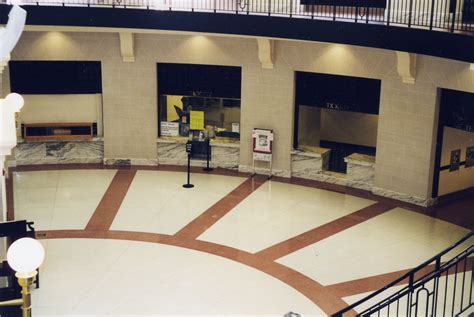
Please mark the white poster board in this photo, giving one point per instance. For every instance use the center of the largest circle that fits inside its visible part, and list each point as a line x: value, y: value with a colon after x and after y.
x: 262, y: 141
x: 262, y: 146
x: 169, y: 128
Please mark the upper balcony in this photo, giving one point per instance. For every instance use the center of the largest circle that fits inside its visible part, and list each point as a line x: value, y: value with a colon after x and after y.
x: 443, y: 28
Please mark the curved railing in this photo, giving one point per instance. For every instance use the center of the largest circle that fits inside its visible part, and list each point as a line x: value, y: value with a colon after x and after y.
x: 437, y: 287
x: 438, y: 15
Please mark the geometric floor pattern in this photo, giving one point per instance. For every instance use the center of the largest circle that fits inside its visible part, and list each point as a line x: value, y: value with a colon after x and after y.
x: 133, y: 242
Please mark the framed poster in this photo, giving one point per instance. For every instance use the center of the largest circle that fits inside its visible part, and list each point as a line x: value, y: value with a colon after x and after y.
x: 262, y: 141
x: 196, y: 120
x: 455, y: 160
x: 469, y: 156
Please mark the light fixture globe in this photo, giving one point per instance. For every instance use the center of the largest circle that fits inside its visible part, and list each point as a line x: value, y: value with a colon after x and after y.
x: 15, y: 101
x: 25, y: 255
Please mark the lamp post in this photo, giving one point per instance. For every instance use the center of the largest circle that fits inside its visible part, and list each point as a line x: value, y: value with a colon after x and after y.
x: 8, y: 107
x: 24, y: 256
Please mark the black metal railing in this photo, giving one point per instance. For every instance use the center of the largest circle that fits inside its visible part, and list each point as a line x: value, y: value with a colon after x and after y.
x: 441, y: 286
x: 440, y: 15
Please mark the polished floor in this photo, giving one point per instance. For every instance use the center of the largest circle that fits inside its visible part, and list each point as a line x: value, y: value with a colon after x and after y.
x: 134, y: 242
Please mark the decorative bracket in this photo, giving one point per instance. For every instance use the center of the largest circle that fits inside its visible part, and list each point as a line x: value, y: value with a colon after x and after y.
x: 127, y: 48
x: 406, y: 67
x: 265, y: 52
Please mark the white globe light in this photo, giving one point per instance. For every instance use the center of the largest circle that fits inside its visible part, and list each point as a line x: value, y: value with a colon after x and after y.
x: 25, y: 255
x: 15, y: 100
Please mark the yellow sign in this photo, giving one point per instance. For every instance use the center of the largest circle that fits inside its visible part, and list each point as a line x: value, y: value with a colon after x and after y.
x: 197, y: 120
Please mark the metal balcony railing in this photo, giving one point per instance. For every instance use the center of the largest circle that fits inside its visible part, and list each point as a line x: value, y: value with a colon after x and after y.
x: 439, y: 15
x: 441, y: 286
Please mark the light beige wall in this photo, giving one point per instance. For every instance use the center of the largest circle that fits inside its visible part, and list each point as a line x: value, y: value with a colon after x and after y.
x: 407, y: 120
x: 309, y: 125
x: 349, y: 127
x: 454, y: 139
x: 61, y: 108
x: 129, y: 89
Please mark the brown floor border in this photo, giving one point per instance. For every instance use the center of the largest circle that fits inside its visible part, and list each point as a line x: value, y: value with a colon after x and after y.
x: 373, y: 283
x: 10, y: 197
x: 212, y: 215
x: 326, y: 300
x: 110, y: 203
x: 317, y: 234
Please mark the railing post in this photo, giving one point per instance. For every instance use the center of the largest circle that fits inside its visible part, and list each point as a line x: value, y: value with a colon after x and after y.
x: 410, y: 13
x: 269, y: 7
x: 388, y: 12
x: 291, y: 8
x: 454, y: 15
x: 432, y: 14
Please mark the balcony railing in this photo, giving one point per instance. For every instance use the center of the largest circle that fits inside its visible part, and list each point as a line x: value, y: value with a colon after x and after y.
x: 439, y: 15
x: 441, y: 286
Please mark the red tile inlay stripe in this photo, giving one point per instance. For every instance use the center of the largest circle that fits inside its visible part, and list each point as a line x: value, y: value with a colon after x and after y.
x: 199, y: 225
x: 326, y: 300
x: 376, y: 282
x: 109, y: 205
x: 317, y: 234
x: 10, y: 197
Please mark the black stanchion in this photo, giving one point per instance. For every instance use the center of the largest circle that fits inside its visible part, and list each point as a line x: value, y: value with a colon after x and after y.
x: 208, y: 154
x: 189, y: 148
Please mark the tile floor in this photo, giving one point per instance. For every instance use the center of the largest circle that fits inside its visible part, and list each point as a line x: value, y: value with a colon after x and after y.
x: 208, y: 250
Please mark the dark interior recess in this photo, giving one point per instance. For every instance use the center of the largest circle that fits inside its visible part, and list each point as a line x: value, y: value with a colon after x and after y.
x: 341, y: 150
x: 468, y: 11
x: 338, y: 92
x: 199, y: 80
x: 460, y: 109
x: 45, y: 131
x: 55, y: 77
x: 349, y: 3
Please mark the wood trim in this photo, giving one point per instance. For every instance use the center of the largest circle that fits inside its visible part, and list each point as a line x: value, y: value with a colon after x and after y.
x: 59, y: 137
x: 87, y: 137
x: 58, y: 124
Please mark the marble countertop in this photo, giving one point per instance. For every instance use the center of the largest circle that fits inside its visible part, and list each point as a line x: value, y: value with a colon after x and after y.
x: 360, y: 159
x: 220, y: 142
x: 311, y: 151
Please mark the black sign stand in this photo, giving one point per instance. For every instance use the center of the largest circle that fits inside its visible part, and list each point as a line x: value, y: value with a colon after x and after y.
x: 207, y: 168
x: 189, y: 148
